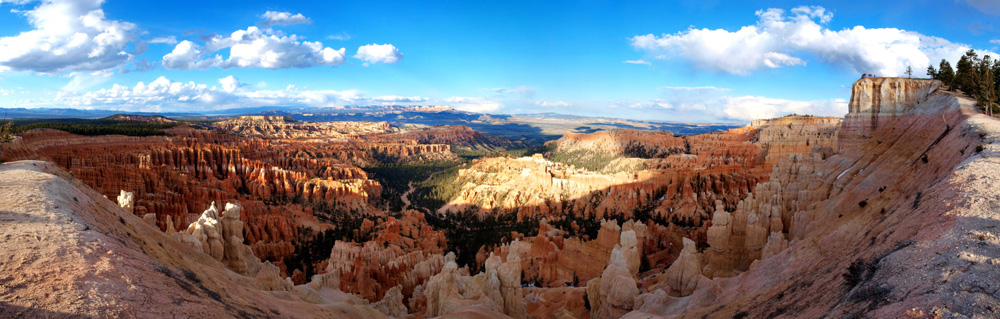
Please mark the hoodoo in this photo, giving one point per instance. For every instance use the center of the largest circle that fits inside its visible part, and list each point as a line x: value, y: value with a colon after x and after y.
x: 884, y: 226
x: 887, y: 213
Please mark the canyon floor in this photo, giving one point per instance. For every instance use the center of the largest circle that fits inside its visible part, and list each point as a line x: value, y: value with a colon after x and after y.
x: 890, y: 212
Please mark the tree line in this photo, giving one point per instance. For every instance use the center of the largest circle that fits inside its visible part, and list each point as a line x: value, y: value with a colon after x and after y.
x: 975, y: 76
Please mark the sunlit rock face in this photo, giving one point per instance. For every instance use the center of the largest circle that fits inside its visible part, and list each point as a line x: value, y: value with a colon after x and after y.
x: 853, y: 219
x: 791, y: 217
x: 681, y: 177
x: 124, y: 267
x: 875, y: 102
x: 286, y: 127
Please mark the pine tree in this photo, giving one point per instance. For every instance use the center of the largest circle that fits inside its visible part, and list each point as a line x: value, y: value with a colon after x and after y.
x: 932, y: 73
x: 946, y: 74
x: 6, y: 134
x: 965, y: 72
x: 996, y: 80
x: 909, y: 72
x: 984, y: 85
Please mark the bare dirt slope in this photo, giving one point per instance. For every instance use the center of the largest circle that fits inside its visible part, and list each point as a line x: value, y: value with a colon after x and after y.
x: 65, y: 251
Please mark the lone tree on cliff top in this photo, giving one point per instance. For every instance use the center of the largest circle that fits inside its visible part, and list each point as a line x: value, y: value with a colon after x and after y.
x: 909, y: 72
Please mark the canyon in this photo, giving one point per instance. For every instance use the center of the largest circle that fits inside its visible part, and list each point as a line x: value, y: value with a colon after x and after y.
x: 886, y: 213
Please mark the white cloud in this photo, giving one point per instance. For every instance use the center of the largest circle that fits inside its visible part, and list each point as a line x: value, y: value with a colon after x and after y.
x: 343, y: 36
x: 378, y: 53
x: 552, y: 104
x: 167, y: 40
x: 186, y: 56
x: 165, y: 94
x: 272, y: 18
x: 749, y: 108
x: 713, y: 104
x: 636, y: 62
x: 141, y: 65
x: 995, y: 41
x: 399, y: 99
x: 230, y: 84
x: 776, y: 40
x: 713, y: 108
x: 254, y: 48
x: 986, y: 6
x: 68, y: 36
x: 473, y: 104
x: 81, y: 81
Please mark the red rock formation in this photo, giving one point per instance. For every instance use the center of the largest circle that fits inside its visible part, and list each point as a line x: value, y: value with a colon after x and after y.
x: 884, y: 201
x: 403, y: 252
x: 459, y: 136
x: 632, y: 143
x: 613, y: 294
x: 284, y: 187
x: 132, y: 118
x: 286, y: 127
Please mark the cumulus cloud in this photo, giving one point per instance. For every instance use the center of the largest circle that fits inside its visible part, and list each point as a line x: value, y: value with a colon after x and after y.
x: 68, y: 36
x: 186, y: 55
x: 273, y: 18
x: 378, y: 53
x: 253, y: 48
x: 230, y: 84
x: 473, y: 104
x: 644, y: 62
x: 163, y: 94
x: 781, y: 40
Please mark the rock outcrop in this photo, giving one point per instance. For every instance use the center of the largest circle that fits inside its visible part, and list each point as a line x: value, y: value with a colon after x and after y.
x: 126, y: 200
x: 876, y: 101
x: 287, y: 128
x: 459, y: 136
x: 613, y: 294
x: 104, y: 262
x: 392, y: 304
x: 497, y: 289
x: 855, y: 219
x: 684, y: 274
x: 221, y: 236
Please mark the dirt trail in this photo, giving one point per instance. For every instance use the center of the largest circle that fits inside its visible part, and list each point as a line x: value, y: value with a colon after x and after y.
x: 404, y: 197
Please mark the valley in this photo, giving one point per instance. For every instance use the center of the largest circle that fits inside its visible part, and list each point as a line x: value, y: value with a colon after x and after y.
x: 797, y: 216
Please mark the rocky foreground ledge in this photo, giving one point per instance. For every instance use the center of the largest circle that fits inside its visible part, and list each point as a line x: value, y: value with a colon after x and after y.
x: 68, y: 251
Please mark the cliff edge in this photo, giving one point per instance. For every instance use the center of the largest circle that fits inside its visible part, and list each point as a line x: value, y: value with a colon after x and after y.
x: 899, y: 222
x: 67, y: 251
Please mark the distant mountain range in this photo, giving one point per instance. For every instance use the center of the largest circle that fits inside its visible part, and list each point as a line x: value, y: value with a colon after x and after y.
x: 533, y: 128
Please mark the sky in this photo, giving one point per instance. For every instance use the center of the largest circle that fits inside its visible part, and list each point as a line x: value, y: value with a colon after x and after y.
x: 688, y: 61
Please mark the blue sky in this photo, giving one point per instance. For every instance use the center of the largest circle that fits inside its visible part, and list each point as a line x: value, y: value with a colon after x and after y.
x: 697, y: 61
